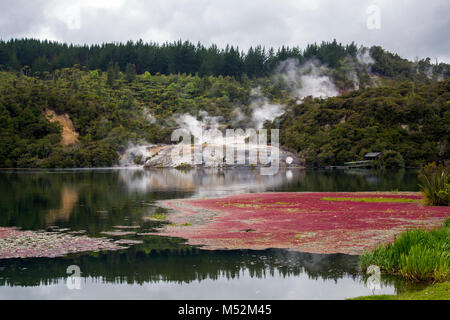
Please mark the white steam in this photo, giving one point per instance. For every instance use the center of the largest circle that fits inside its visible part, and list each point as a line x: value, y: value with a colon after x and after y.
x: 198, y: 128
x: 135, y: 152
x: 364, y: 58
x: 362, y: 64
x: 351, y: 71
x: 308, y: 79
x: 267, y: 112
x: 148, y: 116
x: 238, y: 118
x: 262, y: 110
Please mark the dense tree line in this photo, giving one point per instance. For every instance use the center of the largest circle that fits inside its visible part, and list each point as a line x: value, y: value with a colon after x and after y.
x: 37, y: 57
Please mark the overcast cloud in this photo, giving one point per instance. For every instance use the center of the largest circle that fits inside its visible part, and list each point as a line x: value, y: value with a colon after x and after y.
x: 411, y: 28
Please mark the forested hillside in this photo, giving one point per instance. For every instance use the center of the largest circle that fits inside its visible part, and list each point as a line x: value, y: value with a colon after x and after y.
x: 107, y: 117
x: 408, y: 122
x: 121, y: 94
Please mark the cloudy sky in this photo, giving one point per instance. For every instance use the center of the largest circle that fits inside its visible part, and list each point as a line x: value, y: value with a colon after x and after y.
x: 411, y: 28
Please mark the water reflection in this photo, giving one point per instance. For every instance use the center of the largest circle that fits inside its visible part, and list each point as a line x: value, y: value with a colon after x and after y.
x: 202, y: 271
x: 69, y: 198
x: 218, y: 182
x: 203, y: 182
x: 166, y: 268
x: 96, y: 200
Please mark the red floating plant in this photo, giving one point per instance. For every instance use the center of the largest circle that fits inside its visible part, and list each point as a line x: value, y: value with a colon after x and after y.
x: 347, y: 223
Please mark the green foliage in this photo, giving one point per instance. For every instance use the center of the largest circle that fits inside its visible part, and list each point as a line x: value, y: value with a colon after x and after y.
x: 392, y: 160
x: 111, y: 76
x: 138, y: 160
x: 184, y: 167
x: 409, y: 123
x: 416, y: 255
x: 435, y: 184
x: 158, y: 217
x: 130, y: 72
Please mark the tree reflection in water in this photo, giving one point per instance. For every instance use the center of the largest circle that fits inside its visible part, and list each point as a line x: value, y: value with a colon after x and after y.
x: 98, y: 200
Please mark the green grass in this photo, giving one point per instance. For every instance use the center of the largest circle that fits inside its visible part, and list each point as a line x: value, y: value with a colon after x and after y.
x: 158, y: 217
x: 440, y: 291
x: 378, y: 200
x: 187, y: 224
x: 416, y: 255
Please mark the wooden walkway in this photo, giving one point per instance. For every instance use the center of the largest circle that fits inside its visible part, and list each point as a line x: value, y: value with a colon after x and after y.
x: 352, y: 165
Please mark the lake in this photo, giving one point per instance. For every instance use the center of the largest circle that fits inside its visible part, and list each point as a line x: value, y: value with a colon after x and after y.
x: 95, y: 201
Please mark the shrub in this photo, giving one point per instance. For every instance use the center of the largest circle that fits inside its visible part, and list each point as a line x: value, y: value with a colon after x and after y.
x: 184, y: 167
x: 138, y: 160
x: 435, y: 184
x: 392, y: 159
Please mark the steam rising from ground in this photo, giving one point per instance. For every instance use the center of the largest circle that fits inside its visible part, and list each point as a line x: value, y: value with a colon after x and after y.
x: 308, y: 79
x: 133, y: 153
x: 351, y: 68
x: 302, y: 80
x: 198, y: 127
x: 364, y: 58
x: 148, y: 116
x: 365, y: 63
x: 314, y: 79
x: 263, y: 110
x: 434, y: 72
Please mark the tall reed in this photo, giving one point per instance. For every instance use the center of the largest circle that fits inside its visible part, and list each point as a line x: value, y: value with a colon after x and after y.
x: 416, y: 255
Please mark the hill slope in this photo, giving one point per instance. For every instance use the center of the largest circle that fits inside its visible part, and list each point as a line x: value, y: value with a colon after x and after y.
x: 399, y: 107
x: 413, y: 120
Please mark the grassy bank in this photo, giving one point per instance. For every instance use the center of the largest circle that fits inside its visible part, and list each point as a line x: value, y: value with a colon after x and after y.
x: 416, y: 255
x: 440, y: 291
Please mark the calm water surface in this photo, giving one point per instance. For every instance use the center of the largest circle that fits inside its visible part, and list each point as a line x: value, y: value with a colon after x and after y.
x: 167, y: 268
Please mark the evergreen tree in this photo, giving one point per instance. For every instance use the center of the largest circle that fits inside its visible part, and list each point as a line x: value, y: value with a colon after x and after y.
x: 130, y: 72
x: 116, y: 71
x: 14, y: 63
x: 110, y: 72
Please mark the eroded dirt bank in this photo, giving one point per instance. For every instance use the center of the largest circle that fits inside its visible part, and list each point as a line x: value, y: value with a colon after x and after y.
x: 69, y: 135
x: 348, y: 223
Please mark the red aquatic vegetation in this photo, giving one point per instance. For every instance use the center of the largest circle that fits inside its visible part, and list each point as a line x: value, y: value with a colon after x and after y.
x: 300, y: 221
x: 15, y: 243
